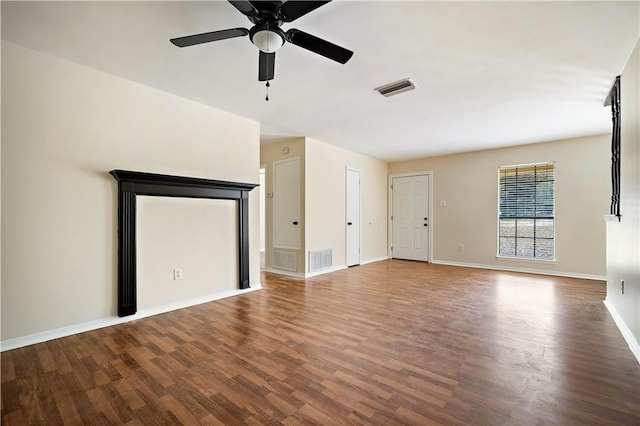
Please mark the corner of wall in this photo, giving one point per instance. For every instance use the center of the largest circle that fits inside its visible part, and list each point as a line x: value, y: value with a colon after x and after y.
x: 623, y: 235
x: 624, y: 330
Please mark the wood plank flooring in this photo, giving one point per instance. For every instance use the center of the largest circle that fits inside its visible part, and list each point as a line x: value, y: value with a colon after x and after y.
x: 392, y: 342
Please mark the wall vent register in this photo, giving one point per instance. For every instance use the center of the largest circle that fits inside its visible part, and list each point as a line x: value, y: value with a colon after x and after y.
x: 285, y: 260
x: 396, y: 87
x: 320, y: 259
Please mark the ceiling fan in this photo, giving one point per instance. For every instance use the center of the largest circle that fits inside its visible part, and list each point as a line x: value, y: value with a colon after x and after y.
x: 266, y: 34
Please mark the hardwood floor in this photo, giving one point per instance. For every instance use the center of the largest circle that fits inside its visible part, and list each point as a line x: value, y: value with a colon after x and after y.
x: 392, y: 342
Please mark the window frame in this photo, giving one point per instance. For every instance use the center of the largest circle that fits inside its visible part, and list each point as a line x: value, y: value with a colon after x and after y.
x: 499, y: 198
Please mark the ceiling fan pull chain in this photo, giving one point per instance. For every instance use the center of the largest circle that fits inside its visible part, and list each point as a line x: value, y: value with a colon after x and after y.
x: 266, y: 98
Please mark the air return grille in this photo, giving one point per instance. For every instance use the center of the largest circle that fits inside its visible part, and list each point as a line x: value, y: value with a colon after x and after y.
x: 285, y: 260
x: 320, y: 259
x: 396, y: 88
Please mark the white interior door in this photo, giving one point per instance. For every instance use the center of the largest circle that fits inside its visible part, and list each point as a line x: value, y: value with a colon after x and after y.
x: 410, y: 217
x: 286, y: 203
x: 263, y: 218
x: 353, y: 217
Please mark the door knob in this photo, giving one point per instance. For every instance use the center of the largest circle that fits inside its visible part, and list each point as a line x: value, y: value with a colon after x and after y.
x: 426, y: 224
x: 349, y: 223
x: 426, y: 218
x: 295, y: 222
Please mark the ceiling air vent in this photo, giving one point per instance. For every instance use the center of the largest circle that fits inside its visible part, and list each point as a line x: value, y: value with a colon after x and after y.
x: 396, y: 88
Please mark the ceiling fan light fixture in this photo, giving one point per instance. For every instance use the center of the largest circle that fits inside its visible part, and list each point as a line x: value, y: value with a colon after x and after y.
x: 267, y: 40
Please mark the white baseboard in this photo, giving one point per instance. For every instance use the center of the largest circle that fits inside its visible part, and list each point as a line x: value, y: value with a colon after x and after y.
x: 324, y: 271
x: 524, y: 270
x: 286, y: 273
x: 341, y: 267
x: 379, y: 259
x: 57, y: 333
x: 626, y: 332
x: 304, y: 275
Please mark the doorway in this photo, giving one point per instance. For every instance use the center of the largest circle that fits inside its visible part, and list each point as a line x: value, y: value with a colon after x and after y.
x: 410, y: 216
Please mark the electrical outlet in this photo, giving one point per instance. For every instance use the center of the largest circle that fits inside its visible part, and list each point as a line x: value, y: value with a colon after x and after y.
x: 177, y: 274
x: 622, y: 286
x: 460, y: 247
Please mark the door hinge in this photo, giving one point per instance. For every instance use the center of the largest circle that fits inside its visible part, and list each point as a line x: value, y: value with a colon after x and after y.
x: 391, y: 217
x: 391, y: 248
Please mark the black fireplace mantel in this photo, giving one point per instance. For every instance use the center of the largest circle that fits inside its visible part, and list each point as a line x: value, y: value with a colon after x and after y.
x: 131, y: 184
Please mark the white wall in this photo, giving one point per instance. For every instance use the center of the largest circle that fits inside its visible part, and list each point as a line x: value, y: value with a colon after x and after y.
x: 469, y: 185
x: 64, y: 127
x: 623, y: 237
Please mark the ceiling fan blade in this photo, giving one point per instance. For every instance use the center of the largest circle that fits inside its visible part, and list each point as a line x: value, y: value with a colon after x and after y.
x: 268, y: 5
x: 208, y: 37
x: 319, y: 46
x: 245, y: 7
x: 292, y: 10
x: 266, y: 66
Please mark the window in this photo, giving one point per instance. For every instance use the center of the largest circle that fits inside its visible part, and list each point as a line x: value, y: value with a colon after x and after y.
x: 526, y: 211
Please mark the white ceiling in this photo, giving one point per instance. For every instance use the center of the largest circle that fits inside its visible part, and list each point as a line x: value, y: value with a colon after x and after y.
x: 489, y: 74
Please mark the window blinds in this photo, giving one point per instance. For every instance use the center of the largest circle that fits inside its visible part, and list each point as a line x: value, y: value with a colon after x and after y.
x: 527, y: 211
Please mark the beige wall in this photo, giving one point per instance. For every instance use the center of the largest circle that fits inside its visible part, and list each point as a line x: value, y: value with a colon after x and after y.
x: 468, y: 183
x: 64, y: 127
x: 325, y: 199
x: 268, y: 154
x: 623, y: 237
x: 184, y: 233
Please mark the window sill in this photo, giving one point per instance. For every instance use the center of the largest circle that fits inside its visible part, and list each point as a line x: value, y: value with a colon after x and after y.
x: 527, y: 259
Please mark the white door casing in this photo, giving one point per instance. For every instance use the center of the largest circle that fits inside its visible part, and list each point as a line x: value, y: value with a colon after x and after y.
x: 286, y: 203
x: 352, y: 217
x: 410, y: 225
